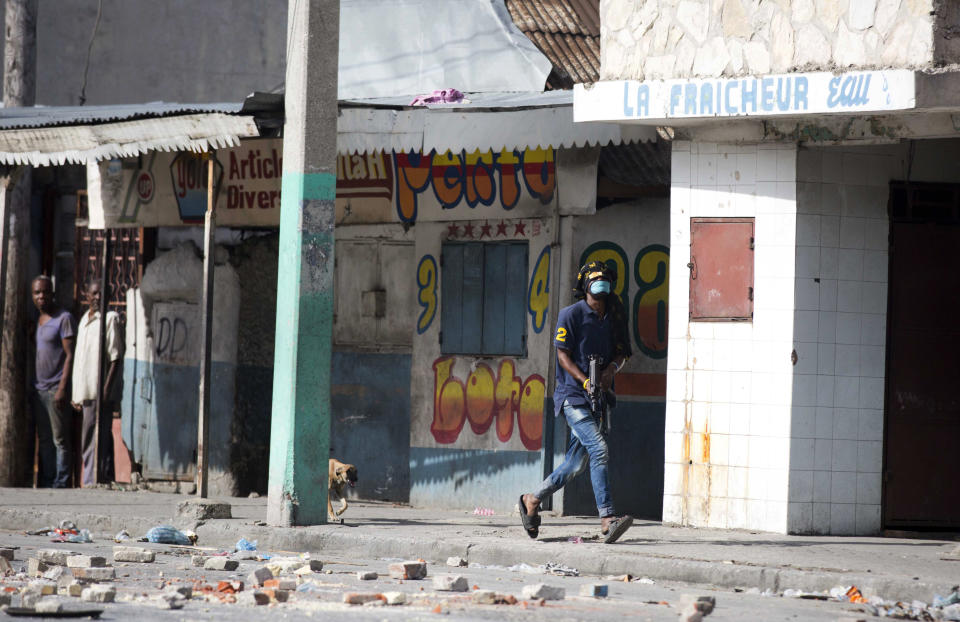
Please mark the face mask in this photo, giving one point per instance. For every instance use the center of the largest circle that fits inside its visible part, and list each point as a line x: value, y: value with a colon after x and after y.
x: 600, y: 288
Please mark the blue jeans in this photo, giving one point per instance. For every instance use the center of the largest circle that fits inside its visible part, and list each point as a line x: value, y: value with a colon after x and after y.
x: 55, y: 436
x: 586, y: 445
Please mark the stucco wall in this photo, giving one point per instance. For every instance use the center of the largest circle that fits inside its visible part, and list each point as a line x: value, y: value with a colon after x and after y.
x: 169, y: 50
x: 161, y: 372
x: 454, y: 463
x: 658, y: 39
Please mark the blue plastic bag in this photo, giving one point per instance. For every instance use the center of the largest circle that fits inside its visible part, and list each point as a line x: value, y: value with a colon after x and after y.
x: 246, y: 545
x: 165, y: 534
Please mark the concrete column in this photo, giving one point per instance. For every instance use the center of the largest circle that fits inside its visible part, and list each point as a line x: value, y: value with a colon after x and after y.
x: 300, y: 425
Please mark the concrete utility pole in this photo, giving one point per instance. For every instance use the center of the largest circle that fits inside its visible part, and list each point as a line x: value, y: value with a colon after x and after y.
x: 19, y: 89
x: 300, y: 425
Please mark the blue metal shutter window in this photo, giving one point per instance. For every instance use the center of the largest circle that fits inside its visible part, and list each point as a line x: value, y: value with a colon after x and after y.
x: 483, y: 298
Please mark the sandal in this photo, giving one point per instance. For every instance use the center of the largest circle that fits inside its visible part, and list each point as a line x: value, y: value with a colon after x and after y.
x: 616, y: 528
x: 531, y: 524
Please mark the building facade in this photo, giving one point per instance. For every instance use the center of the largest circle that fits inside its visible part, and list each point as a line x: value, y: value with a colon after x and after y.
x: 811, y: 213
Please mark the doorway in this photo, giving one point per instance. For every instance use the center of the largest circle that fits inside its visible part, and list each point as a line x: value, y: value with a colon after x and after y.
x: 922, y: 409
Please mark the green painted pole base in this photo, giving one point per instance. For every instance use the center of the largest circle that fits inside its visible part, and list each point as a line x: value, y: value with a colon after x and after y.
x: 300, y: 421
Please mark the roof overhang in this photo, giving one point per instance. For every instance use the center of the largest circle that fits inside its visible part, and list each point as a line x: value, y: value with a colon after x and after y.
x: 484, y: 122
x: 57, y: 144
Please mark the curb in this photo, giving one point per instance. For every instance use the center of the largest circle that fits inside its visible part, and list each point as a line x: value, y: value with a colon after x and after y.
x: 598, y: 560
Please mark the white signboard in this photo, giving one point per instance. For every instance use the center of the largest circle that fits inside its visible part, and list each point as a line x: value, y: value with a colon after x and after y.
x: 791, y: 94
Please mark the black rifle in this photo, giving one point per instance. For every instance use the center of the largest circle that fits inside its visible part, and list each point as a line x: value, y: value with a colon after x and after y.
x: 598, y: 400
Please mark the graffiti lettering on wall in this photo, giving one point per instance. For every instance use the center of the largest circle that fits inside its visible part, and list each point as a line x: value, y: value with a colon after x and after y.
x: 472, y: 178
x: 478, y: 231
x: 650, y: 268
x: 427, y: 294
x: 538, y: 296
x: 174, y: 326
x: 486, y: 399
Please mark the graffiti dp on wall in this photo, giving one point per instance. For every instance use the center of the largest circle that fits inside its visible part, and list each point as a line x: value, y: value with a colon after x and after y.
x: 648, y: 318
x: 502, y: 400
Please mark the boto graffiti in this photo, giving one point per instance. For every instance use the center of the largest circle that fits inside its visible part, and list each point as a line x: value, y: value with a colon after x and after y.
x: 648, y: 319
x: 487, y: 399
x: 473, y: 178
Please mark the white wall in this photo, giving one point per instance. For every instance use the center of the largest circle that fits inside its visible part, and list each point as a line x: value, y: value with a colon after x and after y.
x: 836, y: 453
x: 729, y: 383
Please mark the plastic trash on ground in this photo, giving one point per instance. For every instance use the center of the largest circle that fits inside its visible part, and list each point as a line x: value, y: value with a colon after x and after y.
x: 80, y: 538
x: 166, y: 534
x: 246, y: 545
x: 945, y: 601
x: 121, y: 536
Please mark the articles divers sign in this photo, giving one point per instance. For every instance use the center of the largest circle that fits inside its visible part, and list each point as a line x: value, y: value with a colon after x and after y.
x: 792, y: 94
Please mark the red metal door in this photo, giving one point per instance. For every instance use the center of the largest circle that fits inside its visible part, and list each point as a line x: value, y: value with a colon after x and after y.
x: 721, y: 268
x: 923, y: 361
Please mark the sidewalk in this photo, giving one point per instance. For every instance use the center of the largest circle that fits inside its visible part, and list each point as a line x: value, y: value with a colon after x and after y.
x: 902, y: 569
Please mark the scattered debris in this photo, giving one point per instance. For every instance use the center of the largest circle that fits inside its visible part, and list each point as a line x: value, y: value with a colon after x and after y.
x: 42, y: 587
x: 455, y: 562
x: 360, y: 598
x: 203, y: 510
x: 395, y: 598
x: 73, y: 589
x: 98, y: 593
x: 220, y: 563
x: 259, y: 576
x: 409, y: 570
x: 166, y: 534
x: 695, y: 608
x: 246, y: 545
x: 133, y: 554
x: 54, y: 557
x: 946, y: 601
x: 256, y: 597
x: 94, y: 574
x: 6, y: 553
x: 575, y: 540
x: 544, y: 591
x: 121, y: 536
x: 594, y: 590
x: 54, y: 573
x: 86, y: 561
x: 478, y: 511
x: 450, y: 583
x: 367, y: 575
x: 560, y: 570
x: 952, y: 555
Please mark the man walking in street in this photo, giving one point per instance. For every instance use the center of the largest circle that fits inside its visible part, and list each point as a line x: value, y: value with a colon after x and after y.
x: 594, y: 326
x: 86, y: 374
x: 51, y: 399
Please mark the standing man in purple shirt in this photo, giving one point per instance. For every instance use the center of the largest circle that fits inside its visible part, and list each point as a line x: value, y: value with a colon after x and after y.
x: 51, y: 401
x: 595, y: 326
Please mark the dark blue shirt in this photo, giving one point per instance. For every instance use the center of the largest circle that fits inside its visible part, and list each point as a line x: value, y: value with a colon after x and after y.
x: 581, y: 332
x: 50, y: 354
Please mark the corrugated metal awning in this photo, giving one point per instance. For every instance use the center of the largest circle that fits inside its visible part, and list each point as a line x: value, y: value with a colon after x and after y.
x: 57, y: 143
x: 486, y: 121
x: 51, y: 116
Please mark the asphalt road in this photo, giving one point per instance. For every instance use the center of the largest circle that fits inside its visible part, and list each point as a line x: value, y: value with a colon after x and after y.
x: 140, y: 584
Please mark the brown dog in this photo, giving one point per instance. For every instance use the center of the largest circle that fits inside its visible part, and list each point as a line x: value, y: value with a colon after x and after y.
x: 341, y: 474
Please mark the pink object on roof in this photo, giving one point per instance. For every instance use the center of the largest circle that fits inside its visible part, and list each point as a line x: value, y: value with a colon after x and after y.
x: 443, y: 96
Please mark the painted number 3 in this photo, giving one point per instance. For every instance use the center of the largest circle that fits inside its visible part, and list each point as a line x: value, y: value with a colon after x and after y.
x: 427, y: 297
